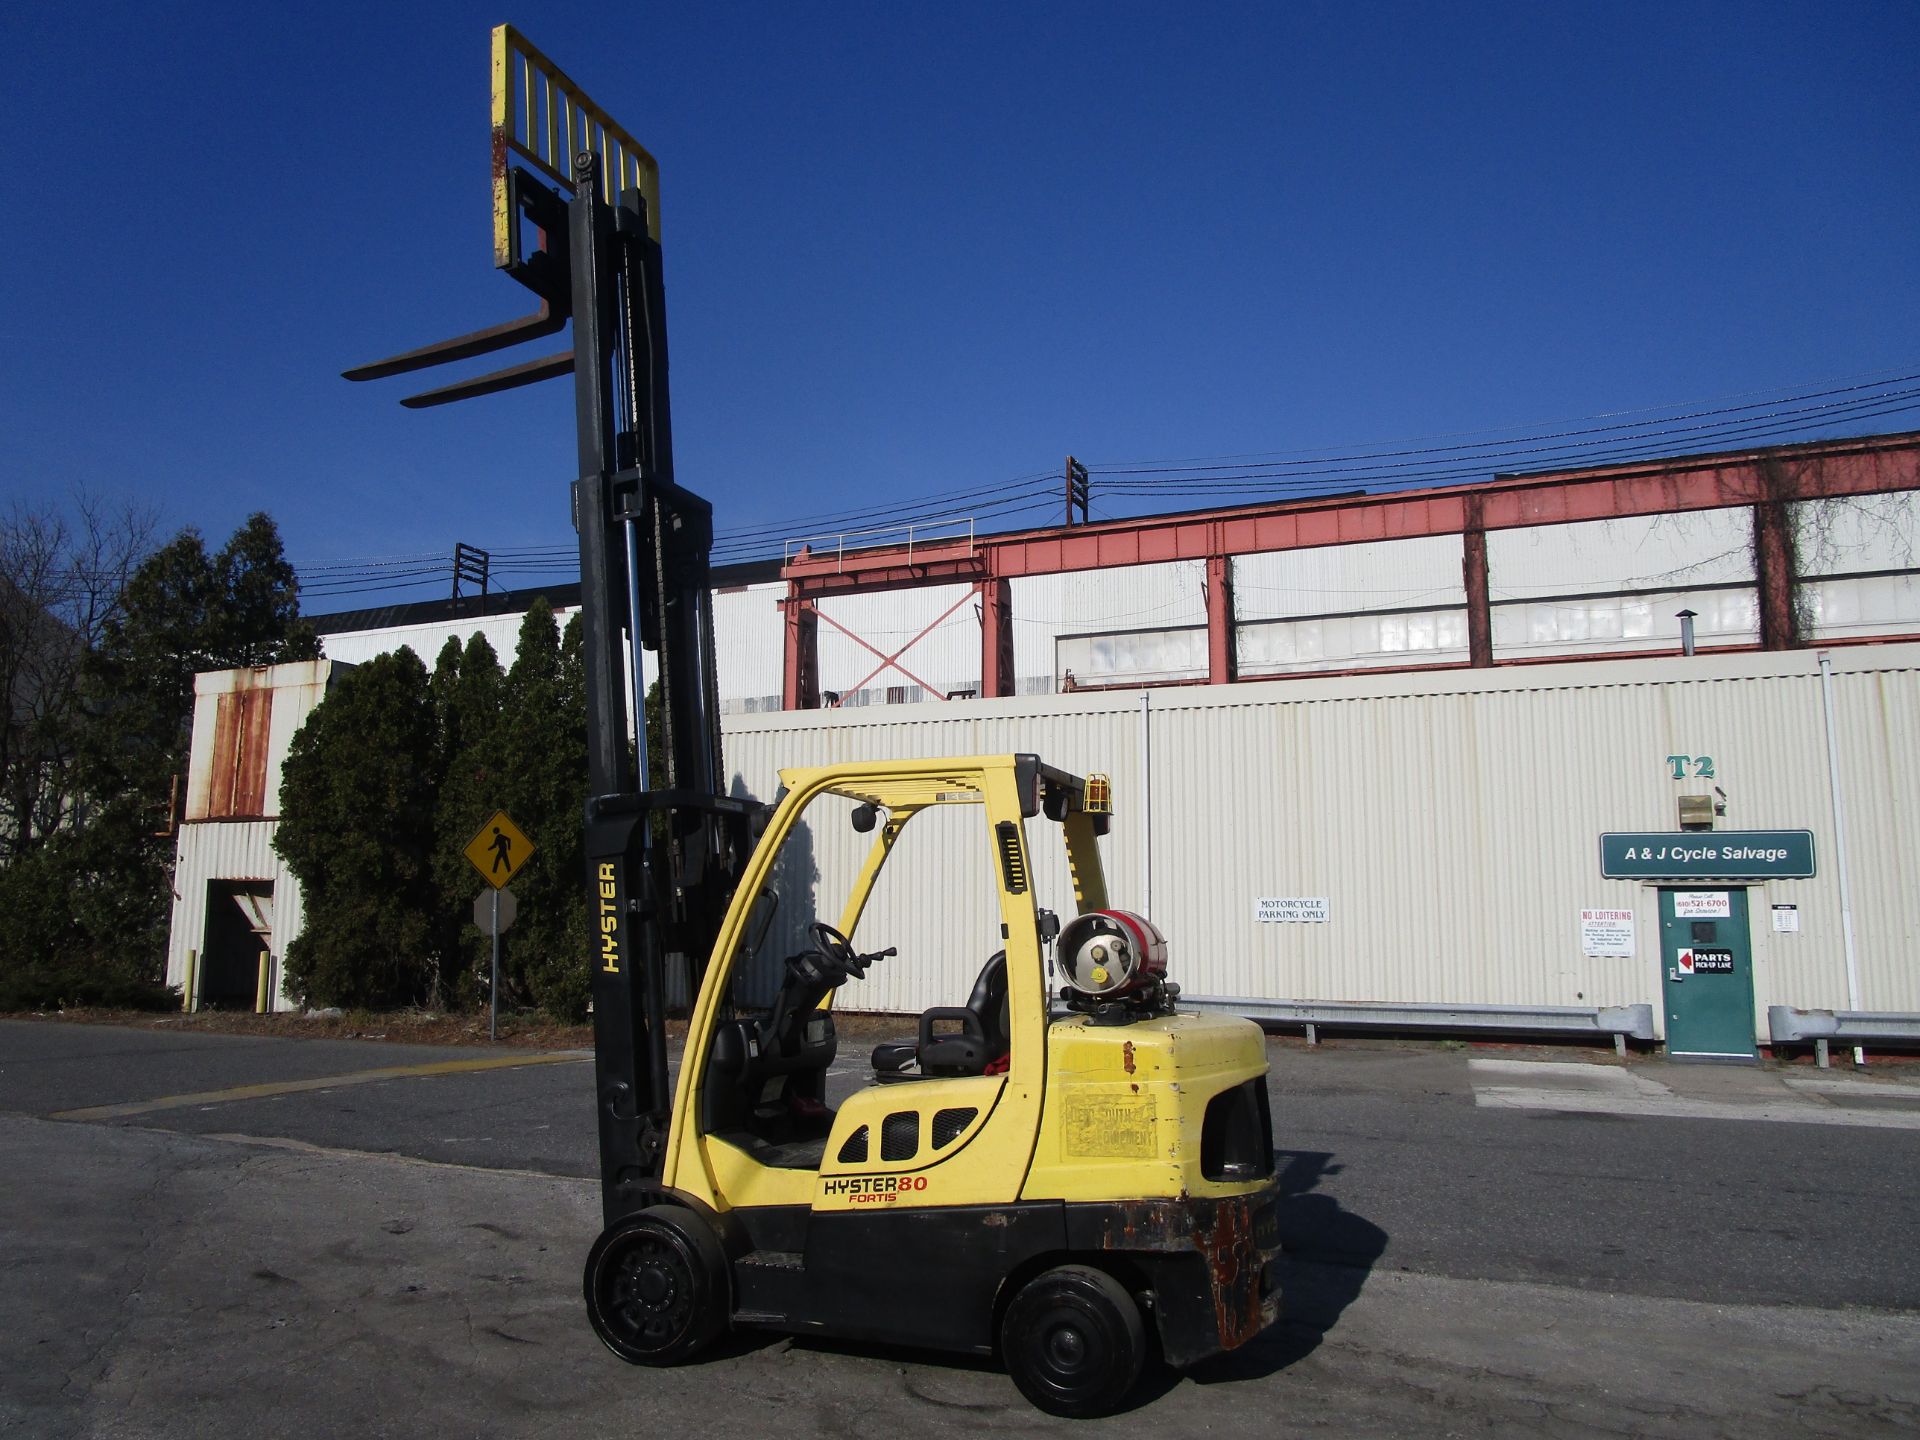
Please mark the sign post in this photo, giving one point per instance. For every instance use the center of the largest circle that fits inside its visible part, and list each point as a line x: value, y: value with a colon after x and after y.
x: 498, y: 850
x: 494, y: 912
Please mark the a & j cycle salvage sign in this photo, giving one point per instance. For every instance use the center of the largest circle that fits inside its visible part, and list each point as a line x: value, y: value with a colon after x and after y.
x: 1707, y: 855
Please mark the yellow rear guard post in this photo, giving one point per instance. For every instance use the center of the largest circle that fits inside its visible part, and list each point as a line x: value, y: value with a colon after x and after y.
x: 1083, y: 861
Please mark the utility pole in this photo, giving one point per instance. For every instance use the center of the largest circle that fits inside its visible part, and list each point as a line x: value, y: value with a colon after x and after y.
x: 1076, y: 490
x: 470, y: 563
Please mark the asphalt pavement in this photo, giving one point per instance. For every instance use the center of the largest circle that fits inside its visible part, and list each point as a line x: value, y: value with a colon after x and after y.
x: 225, y: 1234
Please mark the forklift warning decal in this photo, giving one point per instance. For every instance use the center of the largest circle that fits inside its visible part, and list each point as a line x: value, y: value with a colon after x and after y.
x: 609, y: 919
x: 1110, y: 1127
x: 873, y: 1189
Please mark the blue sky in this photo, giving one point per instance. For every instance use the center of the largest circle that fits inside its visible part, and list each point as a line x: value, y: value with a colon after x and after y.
x: 915, y: 249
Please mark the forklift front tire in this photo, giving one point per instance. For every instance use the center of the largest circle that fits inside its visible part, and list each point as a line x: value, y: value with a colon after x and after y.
x: 657, y: 1286
x: 1073, y: 1342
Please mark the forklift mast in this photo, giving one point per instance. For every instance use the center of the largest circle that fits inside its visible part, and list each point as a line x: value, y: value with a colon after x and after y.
x: 665, y: 844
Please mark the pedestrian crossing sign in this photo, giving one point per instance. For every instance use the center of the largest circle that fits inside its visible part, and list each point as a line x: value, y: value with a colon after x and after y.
x: 499, y: 849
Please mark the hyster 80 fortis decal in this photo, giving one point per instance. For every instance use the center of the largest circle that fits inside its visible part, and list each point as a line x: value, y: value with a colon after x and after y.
x: 873, y: 1189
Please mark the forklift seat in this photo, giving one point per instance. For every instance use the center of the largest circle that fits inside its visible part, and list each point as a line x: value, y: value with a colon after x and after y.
x: 984, y: 1036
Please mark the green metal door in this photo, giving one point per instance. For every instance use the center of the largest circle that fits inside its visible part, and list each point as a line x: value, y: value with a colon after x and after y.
x: 1706, y: 962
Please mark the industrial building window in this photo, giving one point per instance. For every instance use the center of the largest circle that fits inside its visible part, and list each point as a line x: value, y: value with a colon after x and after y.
x: 1136, y: 657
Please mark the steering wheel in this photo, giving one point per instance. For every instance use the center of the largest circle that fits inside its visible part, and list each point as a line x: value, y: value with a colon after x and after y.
x: 835, y: 950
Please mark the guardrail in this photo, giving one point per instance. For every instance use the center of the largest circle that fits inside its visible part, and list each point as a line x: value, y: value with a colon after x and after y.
x: 836, y: 543
x: 1622, y: 1022
x: 1789, y: 1026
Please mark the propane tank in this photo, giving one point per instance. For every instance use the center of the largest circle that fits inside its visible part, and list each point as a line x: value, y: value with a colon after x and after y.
x: 1107, y: 954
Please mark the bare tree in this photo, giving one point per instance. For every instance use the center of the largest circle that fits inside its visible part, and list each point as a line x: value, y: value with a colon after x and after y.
x: 63, y: 571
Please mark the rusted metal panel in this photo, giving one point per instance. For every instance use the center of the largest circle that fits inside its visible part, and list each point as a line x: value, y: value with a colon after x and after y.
x: 238, y: 788
x: 1235, y: 1239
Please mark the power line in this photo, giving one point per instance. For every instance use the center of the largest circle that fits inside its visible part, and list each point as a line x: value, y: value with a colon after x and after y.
x: 1518, y: 444
x: 1788, y: 393
x: 1536, y: 448
x: 1540, y: 461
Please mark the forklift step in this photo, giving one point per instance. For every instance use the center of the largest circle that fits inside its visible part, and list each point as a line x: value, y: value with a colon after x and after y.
x: 769, y: 1286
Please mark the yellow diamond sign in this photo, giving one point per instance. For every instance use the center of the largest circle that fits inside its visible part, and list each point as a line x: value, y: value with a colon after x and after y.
x: 499, y: 849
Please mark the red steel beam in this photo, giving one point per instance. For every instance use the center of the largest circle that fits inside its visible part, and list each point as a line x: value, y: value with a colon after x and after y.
x: 800, y: 667
x: 1474, y: 576
x: 1222, y: 659
x: 996, y: 639
x: 1871, y: 465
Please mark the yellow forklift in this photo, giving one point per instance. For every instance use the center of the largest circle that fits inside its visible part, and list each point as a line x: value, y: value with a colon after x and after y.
x: 1051, y: 1169
x: 1042, y: 1174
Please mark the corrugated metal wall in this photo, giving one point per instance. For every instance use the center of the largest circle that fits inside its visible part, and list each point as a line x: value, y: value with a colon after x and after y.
x: 208, y: 850
x: 1052, y: 612
x: 1347, y: 579
x: 1556, y: 589
x: 1450, y: 819
x: 946, y: 657
x: 749, y: 638
x: 938, y: 908
x: 1876, y: 713
x: 1642, y: 552
x: 230, y: 850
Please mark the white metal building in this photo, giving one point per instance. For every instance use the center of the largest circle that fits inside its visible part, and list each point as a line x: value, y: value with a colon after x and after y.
x: 235, y: 907
x: 1432, y: 826
x: 1445, y: 827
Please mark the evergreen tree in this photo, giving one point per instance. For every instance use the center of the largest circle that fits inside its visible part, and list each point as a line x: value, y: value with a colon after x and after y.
x: 389, y: 894
x: 88, y: 918
x: 257, y: 621
x: 467, y: 685
x: 543, y: 755
x: 357, y: 830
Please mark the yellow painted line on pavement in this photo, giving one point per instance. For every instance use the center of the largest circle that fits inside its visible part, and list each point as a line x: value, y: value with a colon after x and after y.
x: 326, y: 1082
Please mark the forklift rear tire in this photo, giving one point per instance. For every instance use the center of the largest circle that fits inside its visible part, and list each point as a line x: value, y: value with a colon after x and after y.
x: 657, y: 1286
x: 1073, y: 1342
